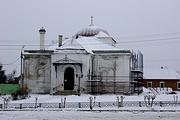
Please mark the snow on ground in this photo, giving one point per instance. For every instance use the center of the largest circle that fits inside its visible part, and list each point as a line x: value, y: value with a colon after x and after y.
x: 85, y: 98
x: 139, y: 113
x: 74, y: 115
x: 98, y: 98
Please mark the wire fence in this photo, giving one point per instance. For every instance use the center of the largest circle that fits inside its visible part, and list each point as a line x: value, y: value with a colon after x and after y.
x: 90, y: 105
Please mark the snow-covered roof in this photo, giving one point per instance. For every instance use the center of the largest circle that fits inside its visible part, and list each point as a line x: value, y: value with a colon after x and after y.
x: 164, y: 73
x: 87, y: 43
x: 91, y: 38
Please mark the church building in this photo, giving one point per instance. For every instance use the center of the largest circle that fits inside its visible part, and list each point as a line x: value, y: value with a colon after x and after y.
x: 87, y: 63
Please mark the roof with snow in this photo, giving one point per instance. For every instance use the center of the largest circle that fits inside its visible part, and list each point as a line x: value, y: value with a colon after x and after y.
x: 91, y: 38
x: 164, y: 73
x: 89, y: 44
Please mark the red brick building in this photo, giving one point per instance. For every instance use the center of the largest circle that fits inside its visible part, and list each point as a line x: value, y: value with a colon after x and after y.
x: 162, y: 78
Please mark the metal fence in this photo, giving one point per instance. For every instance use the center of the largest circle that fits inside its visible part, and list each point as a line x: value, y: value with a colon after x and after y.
x: 89, y: 105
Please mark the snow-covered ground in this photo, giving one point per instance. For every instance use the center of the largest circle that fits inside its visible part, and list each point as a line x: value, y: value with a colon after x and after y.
x: 107, y: 102
x: 98, y: 98
x: 85, y: 98
x: 115, y: 113
x: 74, y: 115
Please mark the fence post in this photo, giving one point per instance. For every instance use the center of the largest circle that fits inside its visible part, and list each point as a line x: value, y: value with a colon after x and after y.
x: 62, y: 102
x: 36, y: 102
x: 79, y: 105
x: 59, y: 105
x: 90, y: 103
x: 65, y: 102
x: 20, y: 106
x: 160, y: 103
x: 99, y: 104
x: 94, y: 100
x: 140, y: 105
x: 118, y: 101
x: 122, y: 98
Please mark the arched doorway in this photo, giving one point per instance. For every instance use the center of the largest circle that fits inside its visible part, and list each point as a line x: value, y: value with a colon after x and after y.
x: 69, y: 79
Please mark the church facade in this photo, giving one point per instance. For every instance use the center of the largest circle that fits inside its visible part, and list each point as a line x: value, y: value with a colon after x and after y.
x: 89, y: 62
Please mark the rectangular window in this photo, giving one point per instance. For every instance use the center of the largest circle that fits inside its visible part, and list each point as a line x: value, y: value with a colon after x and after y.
x: 149, y: 84
x: 178, y: 85
x: 162, y: 84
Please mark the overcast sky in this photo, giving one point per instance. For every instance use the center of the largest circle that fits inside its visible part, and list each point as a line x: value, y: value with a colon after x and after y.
x: 155, y: 23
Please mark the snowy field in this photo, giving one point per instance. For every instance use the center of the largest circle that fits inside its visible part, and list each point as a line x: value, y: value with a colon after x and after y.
x: 74, y: 115
x: 134, y: 112
x: 98, y: 98
x: 85, y: 98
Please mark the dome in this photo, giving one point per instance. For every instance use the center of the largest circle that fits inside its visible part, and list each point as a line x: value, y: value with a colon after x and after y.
x: 91, y: 31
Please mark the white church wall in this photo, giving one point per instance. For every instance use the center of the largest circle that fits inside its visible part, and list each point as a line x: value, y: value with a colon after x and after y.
x: 37, y: 73
x: 114, y: 70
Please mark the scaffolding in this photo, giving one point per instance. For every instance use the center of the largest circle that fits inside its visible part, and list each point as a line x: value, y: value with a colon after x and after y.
x: 110, y: 85
x: 138, y: 80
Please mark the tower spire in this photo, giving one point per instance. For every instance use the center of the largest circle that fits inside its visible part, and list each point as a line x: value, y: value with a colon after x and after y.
x: 92, y: 22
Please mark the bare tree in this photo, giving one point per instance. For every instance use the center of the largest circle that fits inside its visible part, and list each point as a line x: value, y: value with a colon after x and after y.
x: 3, y: 77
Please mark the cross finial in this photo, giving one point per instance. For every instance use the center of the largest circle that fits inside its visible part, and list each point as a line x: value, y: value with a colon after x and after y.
x: 92, y: 21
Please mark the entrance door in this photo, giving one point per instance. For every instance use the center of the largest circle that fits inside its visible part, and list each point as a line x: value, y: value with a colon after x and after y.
x: 69, y: 79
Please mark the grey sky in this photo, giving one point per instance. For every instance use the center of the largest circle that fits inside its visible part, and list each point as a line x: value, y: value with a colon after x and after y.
x: 125, y: 20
